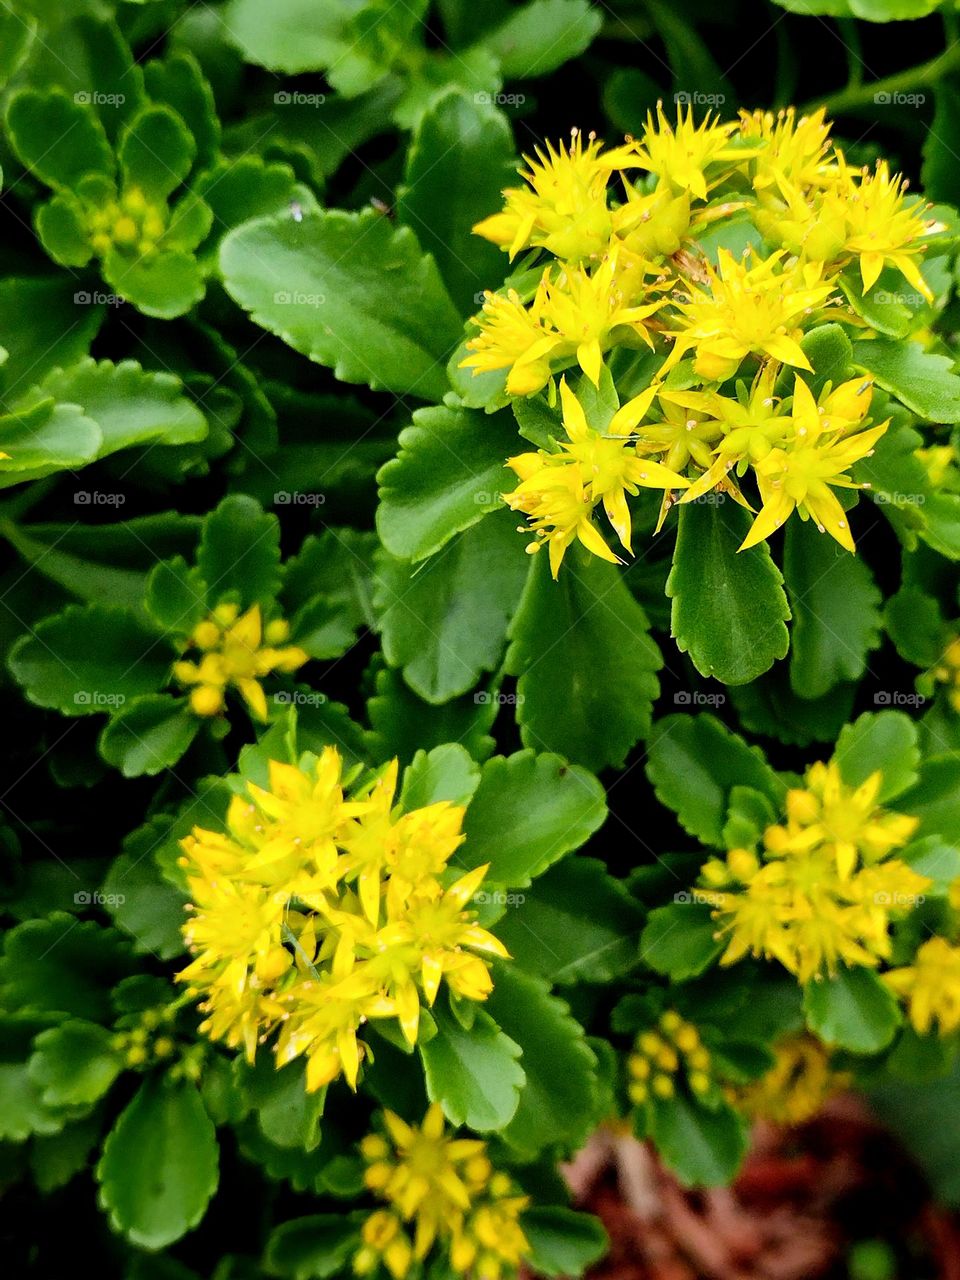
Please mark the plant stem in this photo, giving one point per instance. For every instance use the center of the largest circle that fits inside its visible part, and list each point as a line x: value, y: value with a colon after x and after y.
x: 924, y: 75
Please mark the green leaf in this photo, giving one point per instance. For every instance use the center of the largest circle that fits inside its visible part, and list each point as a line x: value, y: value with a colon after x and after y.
x: 702, y: 1147
x: 62, y: 231
x: 176, y: 595
x: 57, y: 1158
x: 528, y: 811
x: 927, y: 1121
x: 57, y: 138
x: 935, y: 799
x: 694, y: 761
x: 586, y: 663
x: 60, y: 965
x: 89, y: 660
x: 836, y: 611
x: 557, y: 1102
x: 45, y: 323
x: 165, y: 285
x: 540, y: 36
x: 769, y: 706
x: 22, y: 1109
x: 237, y: 190
x: 447, y: 476
x: 578, y: 924
x: 128, y: 404
x: 178, y: 82
x: 404, y: 724
x: 159, y: 1164
x: 922, y: 380
x: 44, y: 438
x: 148, y: 734
x: 141, y: 902
x: 350, y: 291
x: 562, y: 1241
x: 156, y: 152
x: 445, y: 773
x: 353, y: 43
x: 288, y: 1116
x: 74, y: 1064
x: 444, y: 621
x: 240, y: 552
x: 854, y: 1011
x: 460, y: 159
x: 315, y: 1247
x: 474, y: 1075
x: 680, y: 939
x: 885, y: 740
x: 729, y: 608
x: 915, y: 625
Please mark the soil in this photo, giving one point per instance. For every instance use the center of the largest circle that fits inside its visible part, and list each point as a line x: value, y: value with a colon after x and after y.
x: 835, y: 1197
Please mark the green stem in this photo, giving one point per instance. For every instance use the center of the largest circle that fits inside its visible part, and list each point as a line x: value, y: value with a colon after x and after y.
x: 924, y: 75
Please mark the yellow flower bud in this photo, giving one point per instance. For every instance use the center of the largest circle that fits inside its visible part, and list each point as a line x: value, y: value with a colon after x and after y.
x: 206, y: 700
x: 663, y: 1086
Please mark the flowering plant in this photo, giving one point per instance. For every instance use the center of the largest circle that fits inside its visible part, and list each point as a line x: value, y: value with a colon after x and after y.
x: 498, y: 672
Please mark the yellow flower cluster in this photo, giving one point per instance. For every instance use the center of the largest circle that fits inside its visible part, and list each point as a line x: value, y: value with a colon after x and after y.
x: 662, y: 1059
x: 626, y: 270
x: 825, y: 888
x: 314, y: 912
x: 130, y: 224
x: 930, y: 987
x: 237, y: 651
x: 441, y: 1191
x: 796, y: 1087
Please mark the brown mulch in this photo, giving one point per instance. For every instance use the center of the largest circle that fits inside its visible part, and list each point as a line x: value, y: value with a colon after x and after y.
x: 809, y: 1203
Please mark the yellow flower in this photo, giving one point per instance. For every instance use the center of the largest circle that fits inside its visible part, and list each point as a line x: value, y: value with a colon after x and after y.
x: 666, y: 1059
x: 234, y: 655
x: 930, y: 987
x: 285, y: 917
x: 759, y: 309
x: 652, y: 224
x: 573, y: 314
x: 681, y: 156
x: 442, y: 1194
x: 560, y: 490
x: 801, y: 475
x: 845, y: 822
x: 564, y: 207
x: 793, y: 152
x: 796, y: 1087
x: 826, y: 887
x: 880, y: 227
